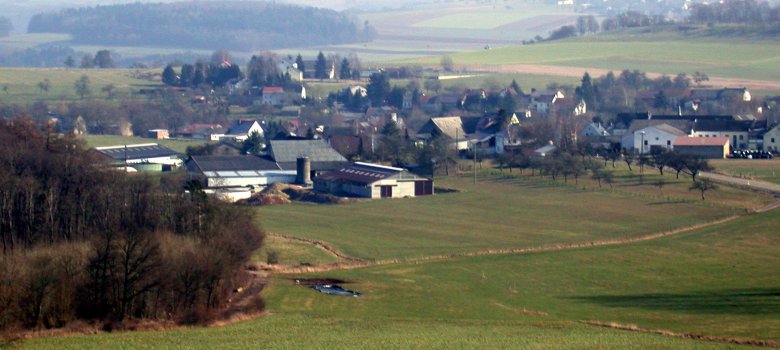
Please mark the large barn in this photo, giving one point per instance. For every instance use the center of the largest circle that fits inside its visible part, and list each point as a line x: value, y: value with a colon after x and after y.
x: 373, y: 181
x: 141, y: 157
x: 237, y: 171
x: 703, y: 147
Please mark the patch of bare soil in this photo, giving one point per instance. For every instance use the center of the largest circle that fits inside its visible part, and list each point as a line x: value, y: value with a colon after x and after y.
x: 280, y: 194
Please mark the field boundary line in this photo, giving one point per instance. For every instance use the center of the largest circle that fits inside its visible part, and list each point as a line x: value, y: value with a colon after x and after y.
x: 355, y: 264
x: 693, y: 336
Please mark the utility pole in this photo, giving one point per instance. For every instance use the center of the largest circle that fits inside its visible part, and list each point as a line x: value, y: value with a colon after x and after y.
x: 475, y: 162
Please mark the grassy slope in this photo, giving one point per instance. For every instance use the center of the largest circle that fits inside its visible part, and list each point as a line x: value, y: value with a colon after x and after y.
x: 661, y: 53
x: 499, y: 214
x: 293, y: 253
x: 718, y: 281
x: 760, y: 169
x: 22, y: 83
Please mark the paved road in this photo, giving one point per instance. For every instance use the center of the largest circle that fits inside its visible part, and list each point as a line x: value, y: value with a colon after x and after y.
x: 757, y: 185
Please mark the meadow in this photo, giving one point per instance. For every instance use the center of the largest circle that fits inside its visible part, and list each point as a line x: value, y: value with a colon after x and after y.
x: 23, y: 83
x: 719, y: 281
x: 759, y: 169
x: 731, y: 58
x: 507, y: 211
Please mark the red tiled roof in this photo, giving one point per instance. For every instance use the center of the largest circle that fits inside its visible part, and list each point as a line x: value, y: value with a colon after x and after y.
x: 273, y: 90
x: 701, y: 141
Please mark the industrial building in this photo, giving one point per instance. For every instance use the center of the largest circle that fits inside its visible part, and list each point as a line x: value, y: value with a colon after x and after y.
x: 373, y: 181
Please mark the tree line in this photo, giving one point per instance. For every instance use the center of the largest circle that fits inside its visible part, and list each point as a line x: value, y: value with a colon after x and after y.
x: 84, y: 242
x: 241, y: 26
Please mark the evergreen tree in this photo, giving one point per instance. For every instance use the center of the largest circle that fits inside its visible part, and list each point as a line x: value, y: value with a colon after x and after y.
x: 515, y: 86
x: 187, y: 75
x: 299, y: 63
x: 82, y: 86
x: 320, y: 67
x: 586, y: 90
x: 70, y: 62
x: 345, y: 73
x: 378, y: 88
x: 87, y: 61
x: 169, y: 76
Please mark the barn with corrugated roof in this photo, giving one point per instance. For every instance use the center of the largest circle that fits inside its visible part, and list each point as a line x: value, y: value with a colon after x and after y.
x: 373, y: 181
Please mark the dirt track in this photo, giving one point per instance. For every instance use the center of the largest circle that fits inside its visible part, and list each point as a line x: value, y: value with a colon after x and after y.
x: 577, y: 72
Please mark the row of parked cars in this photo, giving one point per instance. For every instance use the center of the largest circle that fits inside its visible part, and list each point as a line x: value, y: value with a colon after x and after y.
x: 751, y: 154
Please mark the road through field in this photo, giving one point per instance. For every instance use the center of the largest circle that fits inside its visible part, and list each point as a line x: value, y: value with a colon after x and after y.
x: 565, y: 71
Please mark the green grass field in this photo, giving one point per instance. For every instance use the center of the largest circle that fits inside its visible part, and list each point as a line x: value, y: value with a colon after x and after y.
x: 292, y: 252
x: 498, y: 213
x: 178, y: 145
x: 720, y: 281
x: 759, y: 169
x: 26, y: 41
x: 653, y: 52
x: 23, y: 83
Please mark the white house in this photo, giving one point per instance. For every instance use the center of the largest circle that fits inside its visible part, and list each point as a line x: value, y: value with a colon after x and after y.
x: 772, y: 139
x: 243, y: 128
x: 662, y: 135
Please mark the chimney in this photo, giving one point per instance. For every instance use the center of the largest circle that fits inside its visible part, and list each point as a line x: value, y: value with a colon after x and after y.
x: 303, y: 174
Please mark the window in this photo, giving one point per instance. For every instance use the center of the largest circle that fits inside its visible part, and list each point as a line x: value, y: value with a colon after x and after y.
x: 656, y: 139
x: 645, y: 142
x: 773, y: 140
x: 741, y: 137
x: 668, y: 143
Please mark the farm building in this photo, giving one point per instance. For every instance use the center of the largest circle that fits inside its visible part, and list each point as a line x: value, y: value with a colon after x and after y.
x: 142, y: 157
x: 158, y: 134
x: 321, y: 155
x: 704, y: 147
x: 373, y: 181
x: 237, y: 171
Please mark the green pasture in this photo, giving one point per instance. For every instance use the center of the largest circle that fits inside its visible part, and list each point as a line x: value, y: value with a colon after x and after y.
x: 497, y: 213
x: 279, y: 331
x: 486, y: 19
x: 730, y: 58
x: 26, y: 41
x: 719, y: 281
x: 178, y: 145
x: 759, y: 169
x: 23, y: 87
x: 292, y: 252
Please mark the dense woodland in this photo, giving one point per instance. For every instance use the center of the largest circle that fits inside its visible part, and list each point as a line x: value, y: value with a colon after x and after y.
x: 84, y: 242
x: 244, y: 26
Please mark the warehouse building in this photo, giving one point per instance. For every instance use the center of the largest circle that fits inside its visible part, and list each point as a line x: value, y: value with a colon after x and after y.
x: 373, y: 181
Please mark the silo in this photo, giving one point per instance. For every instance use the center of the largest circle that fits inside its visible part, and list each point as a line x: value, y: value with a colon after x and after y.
x: 303, y: 176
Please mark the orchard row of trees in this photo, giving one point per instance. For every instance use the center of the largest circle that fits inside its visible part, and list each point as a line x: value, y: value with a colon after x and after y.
x: 582, y: 162
x: 84, y: 242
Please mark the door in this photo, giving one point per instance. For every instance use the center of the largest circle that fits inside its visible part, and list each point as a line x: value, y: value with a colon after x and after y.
x: 423, y: 188
x: 386, y: 191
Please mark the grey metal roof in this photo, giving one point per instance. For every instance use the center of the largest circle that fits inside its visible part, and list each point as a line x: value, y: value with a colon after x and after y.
x: 288, y: 151
x: 218, y: 164
x: 143, y: 151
